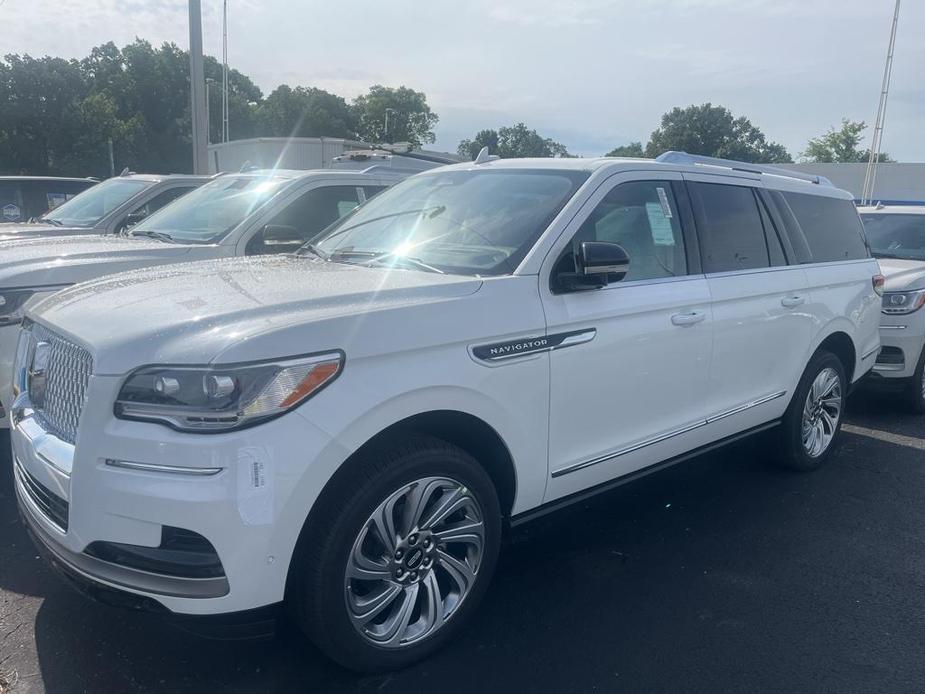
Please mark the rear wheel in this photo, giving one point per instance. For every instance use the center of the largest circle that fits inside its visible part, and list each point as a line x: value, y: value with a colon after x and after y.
x: 402, y: 551
x: 812, y: 423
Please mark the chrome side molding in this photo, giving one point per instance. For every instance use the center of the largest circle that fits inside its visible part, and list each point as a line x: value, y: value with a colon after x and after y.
x: 669, y: 434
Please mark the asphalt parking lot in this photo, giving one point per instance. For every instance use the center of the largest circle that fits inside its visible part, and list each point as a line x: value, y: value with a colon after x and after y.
x: 720, y: 575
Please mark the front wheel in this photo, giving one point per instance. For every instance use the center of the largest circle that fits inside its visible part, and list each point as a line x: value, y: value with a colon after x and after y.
x: 813, y: 420
x: 400, y: 552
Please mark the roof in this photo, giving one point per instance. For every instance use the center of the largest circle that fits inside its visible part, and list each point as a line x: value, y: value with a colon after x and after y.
x: 773, y: 177
x: 156, y: 178
x: 296, y: 173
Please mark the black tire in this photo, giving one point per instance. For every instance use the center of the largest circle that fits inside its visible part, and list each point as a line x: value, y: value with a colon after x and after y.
x: 316, y: 590
x: 791, y: 452
x: 915, y: 397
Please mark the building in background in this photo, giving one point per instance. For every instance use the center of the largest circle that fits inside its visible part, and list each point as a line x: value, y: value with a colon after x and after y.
x: 896, y: 183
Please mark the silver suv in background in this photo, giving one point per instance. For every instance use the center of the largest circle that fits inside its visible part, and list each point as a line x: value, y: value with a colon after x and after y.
x: 109, y: 207
x: 245, y: 214
x: 896, y: 234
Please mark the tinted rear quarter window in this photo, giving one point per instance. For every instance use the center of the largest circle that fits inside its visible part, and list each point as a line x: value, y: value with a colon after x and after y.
x: 729, y: 226
x: 831, y: 226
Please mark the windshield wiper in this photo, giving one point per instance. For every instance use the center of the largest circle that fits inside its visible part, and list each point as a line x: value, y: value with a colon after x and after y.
x: 48, y: 220
x: 159, y: 235
x: 380, y: 258
x: 392, y: 258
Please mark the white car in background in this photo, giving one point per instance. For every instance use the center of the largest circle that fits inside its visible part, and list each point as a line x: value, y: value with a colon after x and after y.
x: 110, y: 207
x: 896, y: 234
x: 244, y: 214
x: 349, y: 428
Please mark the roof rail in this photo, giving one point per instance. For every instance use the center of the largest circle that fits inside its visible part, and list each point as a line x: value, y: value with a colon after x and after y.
x: 700, y: 160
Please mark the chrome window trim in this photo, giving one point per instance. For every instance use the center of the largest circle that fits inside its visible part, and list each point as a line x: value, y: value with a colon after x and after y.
x: 668, y: 435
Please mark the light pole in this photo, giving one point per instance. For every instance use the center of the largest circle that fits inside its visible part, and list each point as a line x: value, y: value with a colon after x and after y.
x: 209, y: 83
x: 387, y: 111
x: 197, y: 90
x: 225, y: 71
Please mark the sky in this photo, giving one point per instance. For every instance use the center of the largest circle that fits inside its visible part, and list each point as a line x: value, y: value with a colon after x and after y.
x: 592, y: 74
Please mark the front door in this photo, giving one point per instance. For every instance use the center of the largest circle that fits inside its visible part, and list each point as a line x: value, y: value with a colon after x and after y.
x: 627, y: 383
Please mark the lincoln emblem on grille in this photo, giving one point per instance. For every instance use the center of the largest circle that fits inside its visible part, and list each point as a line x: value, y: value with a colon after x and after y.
x: 38, y: 374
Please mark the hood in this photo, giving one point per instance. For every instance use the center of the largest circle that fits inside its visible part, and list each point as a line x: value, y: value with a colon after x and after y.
x: 12, y: 232
x: 213, y: 310
x: 72, y: 259
x: 902, y: 275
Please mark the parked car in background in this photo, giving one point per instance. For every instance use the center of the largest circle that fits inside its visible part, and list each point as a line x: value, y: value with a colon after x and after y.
x: 254, y: 213
x: 25, y: 197
x: 896, y: 235
x: 349, y: 428
x: 110, y: 207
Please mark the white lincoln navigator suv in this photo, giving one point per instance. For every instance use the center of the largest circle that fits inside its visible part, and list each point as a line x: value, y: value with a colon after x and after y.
x: 349, y: 428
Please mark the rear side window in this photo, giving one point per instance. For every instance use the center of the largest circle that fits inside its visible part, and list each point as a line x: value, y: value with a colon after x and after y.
x: 831, y: 226
x: 729, y: 227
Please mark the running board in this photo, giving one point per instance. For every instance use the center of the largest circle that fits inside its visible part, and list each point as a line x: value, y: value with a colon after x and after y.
x: 558, y: 504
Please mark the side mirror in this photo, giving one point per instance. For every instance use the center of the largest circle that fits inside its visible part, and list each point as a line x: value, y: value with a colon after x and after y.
x: 279, y: 237
x: 597, y: 264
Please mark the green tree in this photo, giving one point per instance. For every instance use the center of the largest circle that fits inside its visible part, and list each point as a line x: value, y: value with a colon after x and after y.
x: 841, y: 145
x: 633, y: 149
x: 410, y: 118
x: 305, y: 112
x: 713, y: 131
x: 39, y: 104
x: 510, y: 142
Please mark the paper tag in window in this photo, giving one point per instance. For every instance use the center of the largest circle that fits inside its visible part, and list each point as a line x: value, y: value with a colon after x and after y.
x: 663, y: 198
x: 255, y: 486
x: 659, y: 225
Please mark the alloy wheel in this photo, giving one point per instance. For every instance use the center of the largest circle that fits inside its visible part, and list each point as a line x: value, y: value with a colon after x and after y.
x: 414, y: 562
x: 821, y: 412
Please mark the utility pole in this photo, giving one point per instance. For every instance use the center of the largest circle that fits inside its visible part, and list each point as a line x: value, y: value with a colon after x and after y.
x: 112, y: 160
x: 197, y: 90
x: 870, y: 178
x: 387, y: 111
x: 225, y: 71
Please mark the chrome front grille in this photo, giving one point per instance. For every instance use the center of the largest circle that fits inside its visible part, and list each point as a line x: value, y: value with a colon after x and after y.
x: 67, y: 375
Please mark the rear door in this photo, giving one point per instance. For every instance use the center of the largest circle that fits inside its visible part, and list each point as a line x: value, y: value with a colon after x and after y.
x: 761, y: 328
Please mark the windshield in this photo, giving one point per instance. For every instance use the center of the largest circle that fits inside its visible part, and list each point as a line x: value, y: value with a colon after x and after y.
x: 88, y: 208
x: 208, y: 213
x: 896, y: 235
x: 479, y: 222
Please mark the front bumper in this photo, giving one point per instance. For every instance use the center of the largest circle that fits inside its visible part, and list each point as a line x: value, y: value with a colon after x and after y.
x: 902, y: 339
x: 251, y: 510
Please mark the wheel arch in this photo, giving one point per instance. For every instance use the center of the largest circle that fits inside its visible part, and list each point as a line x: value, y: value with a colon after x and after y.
x: 839, y: 343
x: 467, y: 431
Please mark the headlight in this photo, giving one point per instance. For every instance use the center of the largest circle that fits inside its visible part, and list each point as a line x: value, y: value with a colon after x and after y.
x: 12, y: 305
x: 221, y: 398
x: 899, y: 303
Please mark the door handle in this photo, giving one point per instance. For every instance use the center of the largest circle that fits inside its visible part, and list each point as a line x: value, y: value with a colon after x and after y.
x: 685, y: 319
x: 792, y: 301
